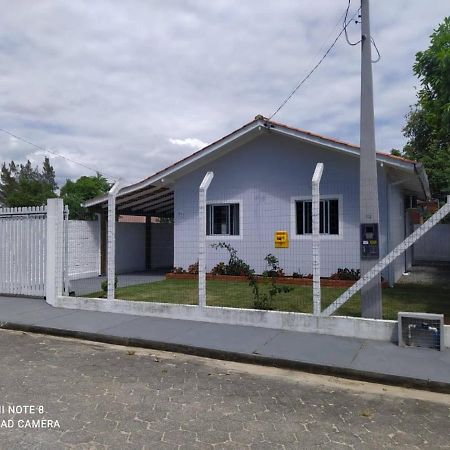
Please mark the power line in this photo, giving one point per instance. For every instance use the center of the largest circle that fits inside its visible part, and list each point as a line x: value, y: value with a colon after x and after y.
x: 47, y: 150
x: 315, y: 67
x: 374, y: 61
x: 345, y: 27
x: 372, y: 40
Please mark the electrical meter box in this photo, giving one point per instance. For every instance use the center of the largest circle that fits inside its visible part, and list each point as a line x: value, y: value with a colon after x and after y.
x: 281, y: 239
x: 370, y: 242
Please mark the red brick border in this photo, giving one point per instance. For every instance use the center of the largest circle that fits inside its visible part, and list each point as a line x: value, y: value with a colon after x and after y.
x: 326, y: 282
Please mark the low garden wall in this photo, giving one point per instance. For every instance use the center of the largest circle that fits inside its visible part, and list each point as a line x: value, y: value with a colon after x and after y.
x: 382, y: 330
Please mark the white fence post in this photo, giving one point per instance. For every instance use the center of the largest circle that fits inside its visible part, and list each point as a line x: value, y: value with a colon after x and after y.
x: 317, y: 307
x: 66, y: 251
x: 202, y: 238
x: 111, y: 263
x: 55, y: 248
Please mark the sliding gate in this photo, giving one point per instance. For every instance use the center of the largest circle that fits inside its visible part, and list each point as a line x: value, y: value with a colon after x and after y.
x: 22, y: 251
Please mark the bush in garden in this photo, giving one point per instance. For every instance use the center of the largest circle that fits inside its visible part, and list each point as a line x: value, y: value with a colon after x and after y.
x: 297, y: 275
x: 346, y: 274
x: 274, y: 269
x: 265, y: 300
x: 219, y: 269
x: 193, y: 269
x: 235, y: 266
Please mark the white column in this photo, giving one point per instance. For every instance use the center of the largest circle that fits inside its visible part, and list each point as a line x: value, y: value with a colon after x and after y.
x: 202, y: 237
x: 111, y: 240
x: 66, y: 250
x: 54, y: 250
x: 99, y: 240
x: 371, y: 301
x: 317, y: 307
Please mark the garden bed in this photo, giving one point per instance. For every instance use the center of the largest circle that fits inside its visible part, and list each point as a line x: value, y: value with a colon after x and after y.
x: 326, y: 282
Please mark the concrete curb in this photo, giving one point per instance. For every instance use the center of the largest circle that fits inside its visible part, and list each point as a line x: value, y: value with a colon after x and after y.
x: 254, y: 358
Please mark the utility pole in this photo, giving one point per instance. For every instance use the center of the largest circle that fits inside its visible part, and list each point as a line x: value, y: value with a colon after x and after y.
x: 371, y: 303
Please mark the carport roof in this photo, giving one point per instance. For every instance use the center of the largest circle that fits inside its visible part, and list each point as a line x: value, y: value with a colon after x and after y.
x: 154, y: 195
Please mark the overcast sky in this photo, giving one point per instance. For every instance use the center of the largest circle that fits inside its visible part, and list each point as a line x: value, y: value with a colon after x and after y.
x: 129, y: 87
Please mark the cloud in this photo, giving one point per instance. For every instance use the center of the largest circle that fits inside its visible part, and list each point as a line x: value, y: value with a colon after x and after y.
x: 189, y: 142
x: 108, y: 83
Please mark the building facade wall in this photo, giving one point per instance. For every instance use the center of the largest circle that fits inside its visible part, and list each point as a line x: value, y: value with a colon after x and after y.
x: 130, y: 247
x: 161, y: 245
x: 396, y: 217
x: 435, y: 245
x: 264, y: 177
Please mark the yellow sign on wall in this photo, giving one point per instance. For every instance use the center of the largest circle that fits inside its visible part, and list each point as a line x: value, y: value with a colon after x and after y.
x: 281, y: 239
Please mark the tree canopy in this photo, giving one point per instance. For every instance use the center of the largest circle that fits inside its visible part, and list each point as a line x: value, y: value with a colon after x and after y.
x: 428, y: 122
x: 25, y: 185
x: 74, y: 193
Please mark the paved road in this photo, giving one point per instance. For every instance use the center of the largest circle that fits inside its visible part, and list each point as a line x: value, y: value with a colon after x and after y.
x: 104, y: 396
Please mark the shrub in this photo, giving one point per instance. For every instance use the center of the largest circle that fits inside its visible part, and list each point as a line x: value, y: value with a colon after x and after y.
x: 265, y: 300
x: 274, y: 269
x: 193, y: 269
x: 220, y: 269
x: 346, y: 274
x: 297, y: 275
x: 178, y: 270
x: 235, y: 266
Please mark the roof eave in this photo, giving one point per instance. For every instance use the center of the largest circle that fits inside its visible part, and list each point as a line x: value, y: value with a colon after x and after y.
x: 177, y: 167
x: 262, y: 125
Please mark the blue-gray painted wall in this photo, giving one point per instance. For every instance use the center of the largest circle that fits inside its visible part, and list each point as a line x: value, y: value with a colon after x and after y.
x: 263, y: 175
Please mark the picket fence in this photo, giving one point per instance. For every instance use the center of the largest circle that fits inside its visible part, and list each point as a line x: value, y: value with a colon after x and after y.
x: 23, y: 250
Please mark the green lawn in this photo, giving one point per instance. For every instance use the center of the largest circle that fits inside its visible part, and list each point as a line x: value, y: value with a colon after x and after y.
x: 405, y: 297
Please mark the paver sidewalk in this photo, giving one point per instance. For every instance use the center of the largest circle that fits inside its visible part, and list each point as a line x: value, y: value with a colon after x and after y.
x: 356, y: 358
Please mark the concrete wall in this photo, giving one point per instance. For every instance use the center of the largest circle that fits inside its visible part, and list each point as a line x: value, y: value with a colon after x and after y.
x: 130, y: 247
x: 383, y: 330
x: 435, y: 245
x: 83, y: 248
x: 161, y: 245
x: 264, y: 175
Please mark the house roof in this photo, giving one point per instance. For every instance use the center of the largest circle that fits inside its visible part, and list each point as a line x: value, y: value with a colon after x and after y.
x: 158, y: 186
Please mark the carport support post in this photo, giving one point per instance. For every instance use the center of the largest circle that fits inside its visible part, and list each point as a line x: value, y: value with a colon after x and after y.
x: 317, y: 308
x: 54, y: 250
x: 111, y: 252
x: 202, y: 237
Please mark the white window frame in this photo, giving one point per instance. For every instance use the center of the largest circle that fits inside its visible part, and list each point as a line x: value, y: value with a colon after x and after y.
x: 221, y: 237
x: 307, y: 237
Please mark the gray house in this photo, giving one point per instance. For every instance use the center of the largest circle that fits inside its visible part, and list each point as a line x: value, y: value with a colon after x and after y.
x: 262, y: 184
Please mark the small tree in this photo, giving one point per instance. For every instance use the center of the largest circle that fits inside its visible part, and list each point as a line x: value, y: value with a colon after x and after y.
x: 75, y: 193
x: 265, y: 300
x: 25, y: 185
x: 428, y: 123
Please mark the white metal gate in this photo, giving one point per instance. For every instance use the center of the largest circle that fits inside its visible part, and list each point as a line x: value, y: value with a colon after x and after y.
x: 23, y: 238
